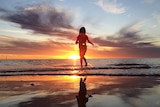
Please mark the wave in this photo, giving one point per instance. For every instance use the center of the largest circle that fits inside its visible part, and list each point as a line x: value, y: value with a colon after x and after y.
x: 121, y: 69
x: 90, y: 67
x: 79, y: 73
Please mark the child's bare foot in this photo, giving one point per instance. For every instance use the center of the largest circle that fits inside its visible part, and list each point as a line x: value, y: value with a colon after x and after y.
x: 81, y: 66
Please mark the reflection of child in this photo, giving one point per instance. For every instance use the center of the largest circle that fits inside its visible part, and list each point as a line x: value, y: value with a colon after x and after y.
x: 81, y: 98
x: 81, y: 40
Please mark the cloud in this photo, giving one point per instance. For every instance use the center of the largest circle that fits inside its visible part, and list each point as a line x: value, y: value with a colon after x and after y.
x: 12, y: 45
x: 128, y: 36
x: 42, y: 19
x: 129, y: 41
x: 2, y: 10
x: 111, y: 7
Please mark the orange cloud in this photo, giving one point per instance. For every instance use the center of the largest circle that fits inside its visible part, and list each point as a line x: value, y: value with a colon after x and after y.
x: 15, y: 46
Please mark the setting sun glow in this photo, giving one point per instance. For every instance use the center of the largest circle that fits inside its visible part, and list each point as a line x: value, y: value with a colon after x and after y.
x: 74, y: 57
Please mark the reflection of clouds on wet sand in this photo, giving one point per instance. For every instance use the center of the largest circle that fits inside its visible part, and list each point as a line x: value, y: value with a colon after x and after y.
x: 13, y: 98
x: 129, y: 91
x: 56, y: 91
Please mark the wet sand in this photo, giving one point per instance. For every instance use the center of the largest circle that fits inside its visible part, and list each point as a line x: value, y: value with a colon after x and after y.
x: 67, y: 91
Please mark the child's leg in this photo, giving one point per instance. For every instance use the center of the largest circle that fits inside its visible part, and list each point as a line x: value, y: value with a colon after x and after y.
x: 81, y: 61
x: 85, y: 61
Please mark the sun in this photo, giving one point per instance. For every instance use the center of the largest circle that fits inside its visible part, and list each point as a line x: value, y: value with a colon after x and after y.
x: 74, y: 57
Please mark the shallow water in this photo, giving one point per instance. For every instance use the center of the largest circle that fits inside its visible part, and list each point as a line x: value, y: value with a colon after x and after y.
x: 121, y: 66
x: 61, y: 91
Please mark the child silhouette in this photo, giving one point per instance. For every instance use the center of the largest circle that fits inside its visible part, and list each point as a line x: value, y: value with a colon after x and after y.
x: 81, y: 40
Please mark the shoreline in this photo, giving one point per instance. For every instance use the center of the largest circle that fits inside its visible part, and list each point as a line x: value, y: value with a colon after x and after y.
x: 81, y: 73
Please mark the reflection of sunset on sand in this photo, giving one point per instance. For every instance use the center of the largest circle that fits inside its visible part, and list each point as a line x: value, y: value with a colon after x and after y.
x: 47, y: 91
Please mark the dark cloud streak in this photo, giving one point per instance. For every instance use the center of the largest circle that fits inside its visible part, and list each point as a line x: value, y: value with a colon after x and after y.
x: 126, y: 37
x: 130, y: 43
x: 42, y: 19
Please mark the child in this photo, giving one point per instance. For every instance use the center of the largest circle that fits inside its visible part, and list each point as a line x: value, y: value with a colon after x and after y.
x: 81, y: 40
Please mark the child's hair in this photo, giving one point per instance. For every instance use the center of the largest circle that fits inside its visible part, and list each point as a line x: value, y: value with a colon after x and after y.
x: 82, y: 30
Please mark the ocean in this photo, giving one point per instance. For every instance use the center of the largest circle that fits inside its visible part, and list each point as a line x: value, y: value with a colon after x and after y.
x: 107, y: 66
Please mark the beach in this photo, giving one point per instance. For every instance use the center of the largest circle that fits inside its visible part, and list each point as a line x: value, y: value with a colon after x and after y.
x: 62, y: 91
x: 79, y: 53
x: 130, y: 82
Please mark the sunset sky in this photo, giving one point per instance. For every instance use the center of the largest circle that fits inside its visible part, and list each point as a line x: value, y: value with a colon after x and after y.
x: 47, y: 29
